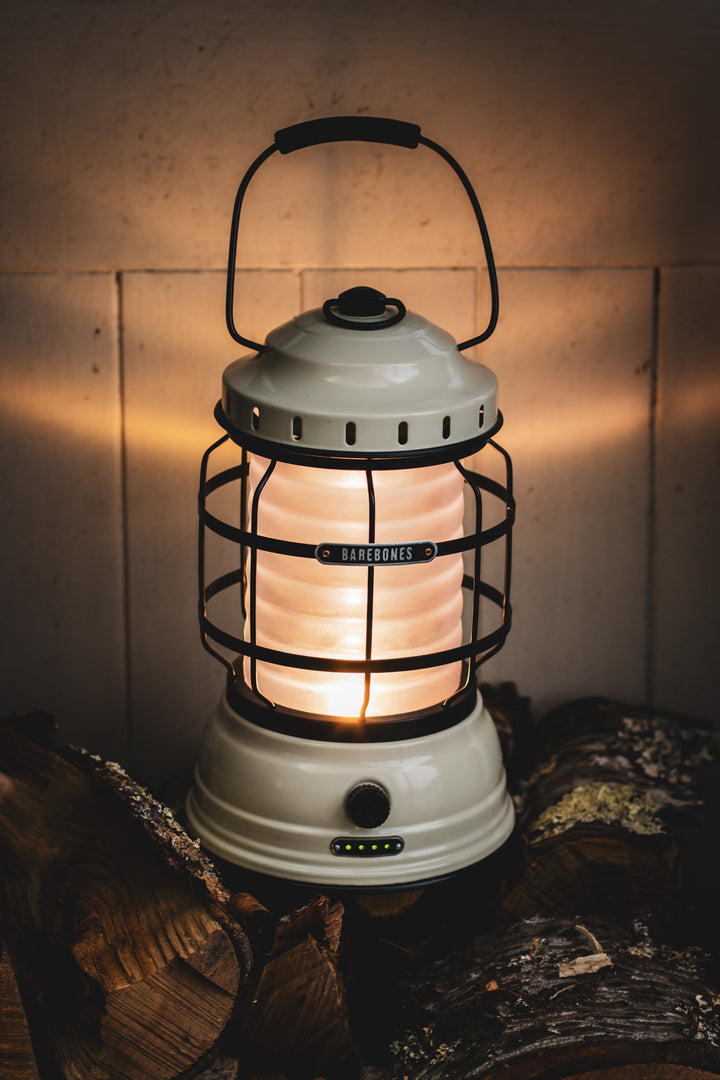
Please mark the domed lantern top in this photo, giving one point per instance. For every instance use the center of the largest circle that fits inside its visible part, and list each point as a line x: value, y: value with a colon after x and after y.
x: 323, y: 382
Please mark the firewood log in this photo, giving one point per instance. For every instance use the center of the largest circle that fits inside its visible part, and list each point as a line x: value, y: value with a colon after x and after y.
x: 112, y: 916
x: 121, y: 927
x: 550, y: 998
x: 294, y: 1009
x: 608, y: 809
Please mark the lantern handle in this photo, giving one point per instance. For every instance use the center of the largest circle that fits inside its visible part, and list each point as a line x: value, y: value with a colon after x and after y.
x: 347, y: 129
x: 355, y: 129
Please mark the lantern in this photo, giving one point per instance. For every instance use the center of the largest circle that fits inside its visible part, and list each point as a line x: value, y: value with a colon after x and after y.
x: 351, y: 746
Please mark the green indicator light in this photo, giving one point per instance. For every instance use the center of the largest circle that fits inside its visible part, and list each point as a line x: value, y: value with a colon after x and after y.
x: 350, y: 846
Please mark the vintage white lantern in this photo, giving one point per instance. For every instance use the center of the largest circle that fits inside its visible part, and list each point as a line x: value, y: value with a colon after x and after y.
x: 351, y: 747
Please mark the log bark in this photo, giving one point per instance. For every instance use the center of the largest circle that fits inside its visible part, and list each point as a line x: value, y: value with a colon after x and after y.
x: 112, y: 916
x: 607, y: 811
x: 551, y: 998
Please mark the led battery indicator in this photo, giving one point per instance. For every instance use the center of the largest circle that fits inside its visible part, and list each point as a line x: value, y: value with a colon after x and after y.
x: 354, y: 848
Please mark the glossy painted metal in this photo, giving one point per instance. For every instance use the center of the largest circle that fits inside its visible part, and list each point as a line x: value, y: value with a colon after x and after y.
x: 404, y: 387
x: 275, y: 803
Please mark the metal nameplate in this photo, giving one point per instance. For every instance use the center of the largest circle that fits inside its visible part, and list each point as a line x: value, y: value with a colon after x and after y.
x: 376, y: 554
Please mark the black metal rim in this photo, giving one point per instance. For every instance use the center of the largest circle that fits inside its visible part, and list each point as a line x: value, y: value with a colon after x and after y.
x: 309, y: 551
x: 260, y: 883
x: 487, y: 645
x: 372, y: 729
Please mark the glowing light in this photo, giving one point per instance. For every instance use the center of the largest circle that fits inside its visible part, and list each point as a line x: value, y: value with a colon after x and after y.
x: 305, y: 607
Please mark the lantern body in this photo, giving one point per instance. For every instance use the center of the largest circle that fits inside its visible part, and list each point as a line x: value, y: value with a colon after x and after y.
x: 276, y: 803
x: 351, y: 747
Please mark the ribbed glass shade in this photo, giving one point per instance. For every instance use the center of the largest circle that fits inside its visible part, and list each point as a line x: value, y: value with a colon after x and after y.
x: 303, y: 606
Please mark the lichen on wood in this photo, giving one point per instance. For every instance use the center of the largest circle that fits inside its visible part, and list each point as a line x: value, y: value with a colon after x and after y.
x: 595, y: 741
x: 608, y: 812
x: 605, y: 803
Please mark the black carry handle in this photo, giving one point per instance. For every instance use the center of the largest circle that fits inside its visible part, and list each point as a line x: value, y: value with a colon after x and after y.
x: 354, y: 129
x: 347, y: 129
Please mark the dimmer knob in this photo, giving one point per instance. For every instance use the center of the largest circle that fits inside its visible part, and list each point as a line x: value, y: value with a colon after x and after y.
x: 368, y: 806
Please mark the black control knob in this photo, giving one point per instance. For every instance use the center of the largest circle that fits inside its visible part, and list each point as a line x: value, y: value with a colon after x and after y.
x: 368, y: 806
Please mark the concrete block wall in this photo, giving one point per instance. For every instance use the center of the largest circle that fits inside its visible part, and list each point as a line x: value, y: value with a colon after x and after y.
x: 590, y: 132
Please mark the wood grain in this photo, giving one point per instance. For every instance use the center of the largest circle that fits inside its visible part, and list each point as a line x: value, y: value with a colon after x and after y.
x: 294, y: 1009
x: 17, y: 1057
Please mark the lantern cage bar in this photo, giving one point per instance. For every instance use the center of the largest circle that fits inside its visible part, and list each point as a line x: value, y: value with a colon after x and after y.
x: 248, y: 541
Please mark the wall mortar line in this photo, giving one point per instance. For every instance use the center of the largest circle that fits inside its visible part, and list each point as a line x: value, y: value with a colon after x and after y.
x: 650, y: 605
x: 125, y: 539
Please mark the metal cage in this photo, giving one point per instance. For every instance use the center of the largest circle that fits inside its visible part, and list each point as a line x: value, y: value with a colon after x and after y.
x: 481, y: 643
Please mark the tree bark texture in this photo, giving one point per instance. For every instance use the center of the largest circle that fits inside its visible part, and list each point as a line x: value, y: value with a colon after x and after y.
x: 551, y: 998
x: 610, y: 809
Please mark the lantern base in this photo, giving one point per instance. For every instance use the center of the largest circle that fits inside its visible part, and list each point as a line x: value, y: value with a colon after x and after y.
x: 280, y: 805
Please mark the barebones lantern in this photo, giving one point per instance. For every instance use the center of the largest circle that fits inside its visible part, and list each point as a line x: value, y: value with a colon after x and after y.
x: 348, y: 591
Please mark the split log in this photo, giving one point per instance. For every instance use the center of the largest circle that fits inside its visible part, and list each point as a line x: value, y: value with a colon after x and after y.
x: 294, y: 1009
x: 17, y: 1057
x: 112, y: 916
x: 551, y: 998
x: 609, y: 810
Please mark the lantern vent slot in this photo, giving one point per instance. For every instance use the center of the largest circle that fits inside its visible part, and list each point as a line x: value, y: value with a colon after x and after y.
x: 350, y: 433
x: 255, y: 418
x: 446, y: 427
x: 402, y: 432
x: 297, y: 427
x: 481, y: 416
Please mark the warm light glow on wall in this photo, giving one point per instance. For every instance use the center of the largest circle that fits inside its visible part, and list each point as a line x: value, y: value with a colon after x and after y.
x: 306, y: 607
